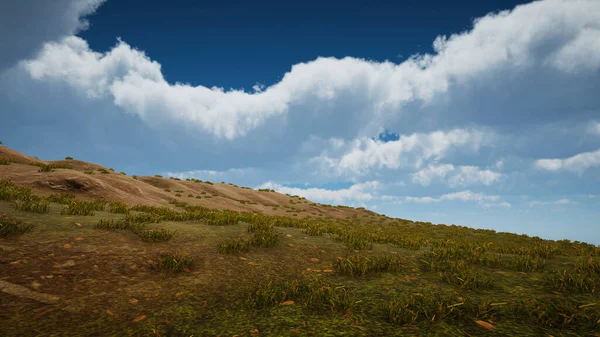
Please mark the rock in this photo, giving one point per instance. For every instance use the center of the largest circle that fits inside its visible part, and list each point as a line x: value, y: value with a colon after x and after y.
x: 67, y: 264
x: 36, y: 285
x: 20, y: 291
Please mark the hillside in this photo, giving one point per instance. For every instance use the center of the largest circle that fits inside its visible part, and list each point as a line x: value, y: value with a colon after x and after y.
x: 87, y: 251
x: 86, y: 181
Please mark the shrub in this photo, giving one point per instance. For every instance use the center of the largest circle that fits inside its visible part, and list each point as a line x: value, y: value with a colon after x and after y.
x: 103, y: 171
x: 68, y: 158
x: 158, y: 176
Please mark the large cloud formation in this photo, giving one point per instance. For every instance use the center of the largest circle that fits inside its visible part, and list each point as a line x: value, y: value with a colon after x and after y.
x: 555, y: 38
x: 25, y: 25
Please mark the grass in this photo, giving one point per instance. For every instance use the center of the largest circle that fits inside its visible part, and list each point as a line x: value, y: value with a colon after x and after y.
x: 358, y: 266
x: 314, y: 293
x: 155, y: 235
x: 118, y: 207
x: 10, y: 226
x: 174, y: 262
x: 32, y: 205
x: 80, y: 207
x: 372, y: 276
x: 6, y: 161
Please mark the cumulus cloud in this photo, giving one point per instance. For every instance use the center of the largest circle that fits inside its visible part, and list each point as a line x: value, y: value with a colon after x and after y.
x: 365, y: 153
x: 455, y: 176
x: 466, y: 195
x: 577, y: 163
x: 556, y: 36
x: 47, y: 20
x: 357, y: 192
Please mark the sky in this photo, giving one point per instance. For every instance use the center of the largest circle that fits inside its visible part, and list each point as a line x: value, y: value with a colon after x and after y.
x: 476, y: 113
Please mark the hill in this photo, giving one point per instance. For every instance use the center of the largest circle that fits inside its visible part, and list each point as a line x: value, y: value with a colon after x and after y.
x: 87, y: 251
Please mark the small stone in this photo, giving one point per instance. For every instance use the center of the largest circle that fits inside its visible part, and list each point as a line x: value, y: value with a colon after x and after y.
x: 243, y: 258
x: 289, y: 235
x: 78, y: 225
x: 314, y: 259
x: 67, y: 264
x: 133, y: 301
x: 36, y: 285
x: 67, y: 246
x: 79, y: 239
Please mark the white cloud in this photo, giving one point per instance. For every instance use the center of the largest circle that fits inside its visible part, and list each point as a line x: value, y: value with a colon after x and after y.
x: 577, y: 163
x: 555, y: 202
x: 558, y: 35
x: 356, y: 192
x: 462, y: 195
x: 594, y: 128
x: 456, y: 176
x: 366, y: 153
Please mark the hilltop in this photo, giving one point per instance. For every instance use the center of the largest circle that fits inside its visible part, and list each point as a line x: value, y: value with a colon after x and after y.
x: 88, y: 181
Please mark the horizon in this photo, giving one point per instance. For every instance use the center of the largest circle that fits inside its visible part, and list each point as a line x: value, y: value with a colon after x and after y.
x: 483, y: 115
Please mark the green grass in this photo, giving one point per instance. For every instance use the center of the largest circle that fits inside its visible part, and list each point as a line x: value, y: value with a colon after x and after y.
x: 6, y: 161
x: 10, y: 226
x: 155, y: 235
x: 314, y: 293
x: 358, y: 266
x: 174, y: 262
x: 286, y: 276
x: 80, y: 207
x: 118, y: 207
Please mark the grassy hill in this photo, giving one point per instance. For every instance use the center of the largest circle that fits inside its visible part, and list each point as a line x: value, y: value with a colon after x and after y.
x: 88, y: 251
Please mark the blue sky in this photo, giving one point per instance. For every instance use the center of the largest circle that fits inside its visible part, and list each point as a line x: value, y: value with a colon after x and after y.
x: 477, y: 113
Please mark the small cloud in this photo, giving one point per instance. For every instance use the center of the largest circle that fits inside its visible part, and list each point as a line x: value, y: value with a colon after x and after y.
x: 577, y: 163
x: 357, y: 192
x: 463, y: 196
x: 555, y: 202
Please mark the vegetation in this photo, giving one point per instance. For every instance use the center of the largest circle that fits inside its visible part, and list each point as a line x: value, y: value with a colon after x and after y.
x: 68, y: 158
x: 174, y: 262
x: 10, y: 226
x: 318, y: 276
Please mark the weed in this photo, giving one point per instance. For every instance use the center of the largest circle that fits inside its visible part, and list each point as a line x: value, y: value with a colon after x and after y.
x: 118, y: 207
x: 79, y: 207
x: 6, y: 161
x: 233, y: 245
x: 174, y: 262
x: 12, y: 227
x: 36, y: 205
x: 355, y: 265
x: 314, y: 293
x: 155, y: 235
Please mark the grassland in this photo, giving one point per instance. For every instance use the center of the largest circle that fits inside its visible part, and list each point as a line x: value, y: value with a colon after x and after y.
x: 181, y: 270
